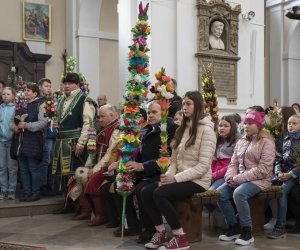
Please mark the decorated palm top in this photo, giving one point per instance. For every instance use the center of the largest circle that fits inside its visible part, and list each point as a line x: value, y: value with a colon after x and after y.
x: 135, y: 94
x: 163, y: 91
x: 209, y: 92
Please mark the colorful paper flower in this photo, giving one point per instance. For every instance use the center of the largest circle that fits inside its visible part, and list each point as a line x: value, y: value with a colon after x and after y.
x: 135, y: 94
x: 210, y: 96
x: 163, y: 90
x: 50, y: 107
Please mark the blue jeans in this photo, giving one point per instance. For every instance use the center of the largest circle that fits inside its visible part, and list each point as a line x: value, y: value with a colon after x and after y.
x: 240, y: 195
x: 30, y: 171
x: 8, y: 169
x: 47, y: 160
x: 282, y: 202
x: 214, y: 186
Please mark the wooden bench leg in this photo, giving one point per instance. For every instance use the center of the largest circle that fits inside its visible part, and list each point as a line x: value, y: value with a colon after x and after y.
x: 190, y: 217
x: 257, y: 215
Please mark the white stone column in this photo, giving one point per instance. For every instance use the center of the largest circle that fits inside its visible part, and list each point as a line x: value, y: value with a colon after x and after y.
x: 164, y: 38
x: 284, y: 53
x: 125, y: 9
x: 291, y: 62
x: 71, y: 27
x: 186, y: 46
x: 276, y: 67
x: 82, y: 19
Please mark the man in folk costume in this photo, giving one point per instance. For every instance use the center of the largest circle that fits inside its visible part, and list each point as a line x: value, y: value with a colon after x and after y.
x: 107, y: 141
x: 75, y: 112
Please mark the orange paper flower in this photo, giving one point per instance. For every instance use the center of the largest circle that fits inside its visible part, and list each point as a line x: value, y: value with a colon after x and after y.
x: 131, y: 53
x: 145, y: 93
x: 169, y: 87
x: 141, y: 54
x: 158, y: 75
x: 146, y: 71
x: 131, y: 109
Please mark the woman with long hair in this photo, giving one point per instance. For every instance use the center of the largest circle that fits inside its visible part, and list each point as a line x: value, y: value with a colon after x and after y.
x: 190, y: 172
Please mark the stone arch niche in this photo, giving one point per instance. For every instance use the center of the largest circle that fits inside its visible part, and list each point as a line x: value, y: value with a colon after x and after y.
x: 224, y: 36
x: 224, y: 60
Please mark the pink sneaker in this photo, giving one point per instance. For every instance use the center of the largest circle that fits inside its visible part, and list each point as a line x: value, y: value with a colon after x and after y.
x: 178, y: 242
x: 157, y: 240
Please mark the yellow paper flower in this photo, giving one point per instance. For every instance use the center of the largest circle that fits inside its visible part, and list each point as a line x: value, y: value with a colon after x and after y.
x: 209, y: 95
x: 164, y: 139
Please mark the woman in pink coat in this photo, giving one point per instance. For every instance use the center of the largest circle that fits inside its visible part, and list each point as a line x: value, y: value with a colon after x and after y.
x: 249, y: 172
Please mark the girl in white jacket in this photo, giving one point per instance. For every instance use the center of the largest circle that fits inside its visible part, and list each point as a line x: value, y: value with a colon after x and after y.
x: 190, y: 172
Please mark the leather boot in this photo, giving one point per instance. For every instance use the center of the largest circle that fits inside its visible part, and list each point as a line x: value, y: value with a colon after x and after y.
x: 85, y: 209
x: 99, y: 210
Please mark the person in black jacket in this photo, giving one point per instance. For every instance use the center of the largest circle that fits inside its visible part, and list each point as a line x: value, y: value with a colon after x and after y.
x: 147, y: 172
x: 27, y: 143
x: 175, y: 101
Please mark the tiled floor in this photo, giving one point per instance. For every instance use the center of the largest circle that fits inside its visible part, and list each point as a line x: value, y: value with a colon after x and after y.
x: 59, y: 232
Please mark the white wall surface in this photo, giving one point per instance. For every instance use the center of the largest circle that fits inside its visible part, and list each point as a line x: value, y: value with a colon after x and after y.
x: 284, y: 52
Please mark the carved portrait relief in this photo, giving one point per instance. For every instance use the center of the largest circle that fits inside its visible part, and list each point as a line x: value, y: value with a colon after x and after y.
x: 218, y: 28
x: 215, y: 36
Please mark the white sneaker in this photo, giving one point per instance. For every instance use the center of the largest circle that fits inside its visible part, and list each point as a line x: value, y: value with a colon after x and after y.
x: 225, y: 237
x: 244, y: 242
x: 271, y: 224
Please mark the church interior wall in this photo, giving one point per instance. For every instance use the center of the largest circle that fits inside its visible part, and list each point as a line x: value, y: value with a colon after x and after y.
x: 108, y: 52
x: 293, y: 60
x: 11, y: 30
x: 173, y: 44
x: 178, y: 44
x: 163, y: 38
x: 284, y: 52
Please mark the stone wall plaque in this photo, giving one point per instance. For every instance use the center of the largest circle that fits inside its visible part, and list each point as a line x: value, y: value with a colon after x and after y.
x: 218, y: 44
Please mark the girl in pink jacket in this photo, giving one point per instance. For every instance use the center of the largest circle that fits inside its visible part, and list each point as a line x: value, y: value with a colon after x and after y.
x: 249, y: 172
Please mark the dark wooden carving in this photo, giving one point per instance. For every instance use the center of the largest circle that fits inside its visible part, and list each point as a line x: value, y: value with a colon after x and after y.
x: 30, y: 66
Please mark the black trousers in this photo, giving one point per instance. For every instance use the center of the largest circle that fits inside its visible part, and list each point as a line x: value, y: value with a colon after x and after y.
x: 145, y: 220
x: 114, y: 203
x: 111, y: 206
x: 159, y: 201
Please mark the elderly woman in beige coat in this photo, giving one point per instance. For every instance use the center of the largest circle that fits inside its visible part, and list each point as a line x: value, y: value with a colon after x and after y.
x: 190, y: 172
x: 249, y: 172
